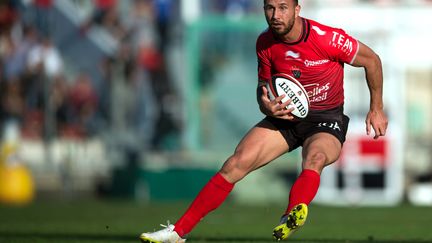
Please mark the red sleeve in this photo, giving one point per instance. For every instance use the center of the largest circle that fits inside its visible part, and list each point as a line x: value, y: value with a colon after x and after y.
x: 263, y: 56
x: 341, y: 46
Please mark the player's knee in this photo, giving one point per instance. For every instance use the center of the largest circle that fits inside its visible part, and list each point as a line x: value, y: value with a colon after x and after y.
x: 315, y: 161
x: 236, y: 167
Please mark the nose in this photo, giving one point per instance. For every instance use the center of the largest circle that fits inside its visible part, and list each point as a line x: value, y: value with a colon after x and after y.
x: 276, y: 14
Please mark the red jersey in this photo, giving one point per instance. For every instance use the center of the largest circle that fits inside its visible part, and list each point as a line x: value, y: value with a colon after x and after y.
x: 316, y: 60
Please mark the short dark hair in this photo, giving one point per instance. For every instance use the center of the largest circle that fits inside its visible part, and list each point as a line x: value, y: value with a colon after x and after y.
x: 295, y: 1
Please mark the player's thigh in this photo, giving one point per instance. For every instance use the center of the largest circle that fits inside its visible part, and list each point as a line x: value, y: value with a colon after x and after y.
x: 262, y: 144
x: 320, y: 150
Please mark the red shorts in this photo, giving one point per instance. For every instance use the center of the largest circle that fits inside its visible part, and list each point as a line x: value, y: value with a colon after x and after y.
x: 332, y: 121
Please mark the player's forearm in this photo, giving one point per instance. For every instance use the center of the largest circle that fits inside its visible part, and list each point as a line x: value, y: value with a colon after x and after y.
x: 374, y: 77
x: 259, y: 93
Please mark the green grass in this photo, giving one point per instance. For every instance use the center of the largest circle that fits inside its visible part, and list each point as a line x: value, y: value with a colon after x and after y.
x: 120, y: 221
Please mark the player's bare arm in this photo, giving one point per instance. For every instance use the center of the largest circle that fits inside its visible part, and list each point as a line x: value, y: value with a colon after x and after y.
x: 274, y: 107
x: 376, y: 118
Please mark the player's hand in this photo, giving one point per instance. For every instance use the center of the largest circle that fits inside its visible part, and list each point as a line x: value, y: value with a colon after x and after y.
x: 274, y: 108
x: 378, y: 121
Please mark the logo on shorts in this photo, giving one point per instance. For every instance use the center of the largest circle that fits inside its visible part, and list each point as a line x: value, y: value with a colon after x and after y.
x: 332, y: 125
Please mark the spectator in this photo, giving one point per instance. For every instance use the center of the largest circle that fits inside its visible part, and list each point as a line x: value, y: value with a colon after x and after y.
x: 12, y: 102
x: 8, y: 16
x: 46, y: 58
x: 43, y: 18
x: 84, y: 103
x: 44, y: 64
x: 106, y: 15
x: 16, y: 61
x: 164, y: 14
x: 61, y: 105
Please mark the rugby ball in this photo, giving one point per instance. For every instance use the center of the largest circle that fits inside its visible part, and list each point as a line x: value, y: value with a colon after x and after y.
x: 292, y: 89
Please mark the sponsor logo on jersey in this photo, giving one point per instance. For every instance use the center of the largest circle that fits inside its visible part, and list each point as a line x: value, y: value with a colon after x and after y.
x: 317, y: 93
x: 318, y: 30
x: 309, y: 63
x: 291, y: 54
x: 295, y: 71
x: 341, y: 42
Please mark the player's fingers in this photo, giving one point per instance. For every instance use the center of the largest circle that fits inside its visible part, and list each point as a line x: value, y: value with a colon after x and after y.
x: 264, y: 95
x: 379, y: 131
x: 368, y: 125
x: 283, y: 112
x: 288, y: 117
x: 383, y: 129
x: 279, y: 98
x: 375, y: 129
x: 286, y: 103
x: 376, y: 136
x: 283, y: 107
x: 385, y: 125
x: 264, y: 90
x: 291, y: 109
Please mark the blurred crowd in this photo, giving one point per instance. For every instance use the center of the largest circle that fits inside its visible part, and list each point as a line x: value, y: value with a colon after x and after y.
x: 26, y: 58
x: 133, y: 97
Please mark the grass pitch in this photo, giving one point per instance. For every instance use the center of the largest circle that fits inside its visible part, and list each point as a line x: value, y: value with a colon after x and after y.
x: 122, y: 221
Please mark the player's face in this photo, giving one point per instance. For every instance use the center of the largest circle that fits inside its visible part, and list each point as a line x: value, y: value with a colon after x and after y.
x: 280, y: 15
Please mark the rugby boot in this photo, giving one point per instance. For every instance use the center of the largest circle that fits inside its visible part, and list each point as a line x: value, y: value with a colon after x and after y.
x: 166, y: 235
x: 291, y: 222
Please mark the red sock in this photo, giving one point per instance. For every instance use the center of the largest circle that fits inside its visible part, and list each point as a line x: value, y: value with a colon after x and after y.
x: 210, y: 197
x: 304, y: 189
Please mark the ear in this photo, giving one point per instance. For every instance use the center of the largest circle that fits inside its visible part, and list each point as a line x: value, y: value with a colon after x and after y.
x: 297, y: 10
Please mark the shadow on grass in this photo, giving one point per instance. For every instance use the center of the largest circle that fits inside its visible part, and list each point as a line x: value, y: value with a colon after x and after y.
x: 74, y: 237
x: 256, y: 239
x: 64, y: 237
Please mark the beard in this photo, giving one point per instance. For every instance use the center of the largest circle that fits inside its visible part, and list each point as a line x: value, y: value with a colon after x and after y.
x: 283, y: 28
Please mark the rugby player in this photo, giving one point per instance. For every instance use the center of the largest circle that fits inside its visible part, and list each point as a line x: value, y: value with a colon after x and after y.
x: 315, y: 55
